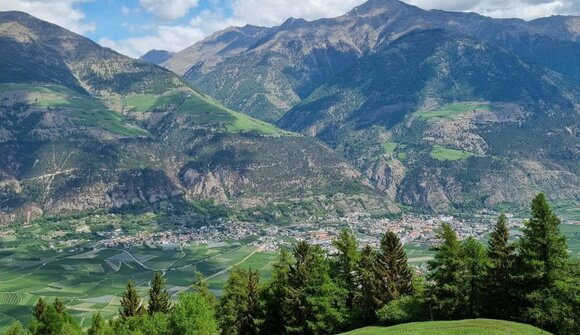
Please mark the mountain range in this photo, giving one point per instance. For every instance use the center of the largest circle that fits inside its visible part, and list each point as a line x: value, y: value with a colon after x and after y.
x: 387, y: 107
x: 84, y: 128
x: 439, y: 110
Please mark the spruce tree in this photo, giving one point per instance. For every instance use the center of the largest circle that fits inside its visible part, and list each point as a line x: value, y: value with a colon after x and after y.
x: 475, y: 266
x: 392, y: 269
x: 542, y: 263
x: 251, y: 320
x: 97, y: 325
x: 445, y: 273
x: 313, y: 300
x: 499, y: 295
x: 158, y: 296
x: 130, y: 302
x: 368, y: 298
x: 59, y: 306
x: 39, y: 308
x: 344, y: 266
x: 232, y: 308
x: 200, y: 286
x: 277, y: 313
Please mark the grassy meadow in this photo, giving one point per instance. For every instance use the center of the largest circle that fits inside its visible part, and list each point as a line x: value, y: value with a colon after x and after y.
x: 452, y: 111
x: 463, y: 327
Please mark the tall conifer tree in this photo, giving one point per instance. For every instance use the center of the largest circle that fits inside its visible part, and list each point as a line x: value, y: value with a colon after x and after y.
x: 445, y: 273
x: 39, y: 308
x: 345, y: 264
x: 475, y: 266
x: 499, y: 278
x: 130, y: 302
x: 159, y: 299
x: 368, y: 299
x: 392, y: 269
x: 542, y: 262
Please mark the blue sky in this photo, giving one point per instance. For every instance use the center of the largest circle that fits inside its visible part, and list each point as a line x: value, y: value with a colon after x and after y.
x: 133, y: 27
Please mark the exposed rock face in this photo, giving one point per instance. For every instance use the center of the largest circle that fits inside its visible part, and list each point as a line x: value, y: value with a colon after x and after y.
x: 464, y: 99
x: 83, y: 128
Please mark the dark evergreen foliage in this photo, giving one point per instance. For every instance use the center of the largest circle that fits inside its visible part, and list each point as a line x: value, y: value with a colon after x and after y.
x: 313, y: 293
x: 446, y: 293
x: 158, y: 296
x: 392, y: 269
x: 499, y: 287
x: 130, y: 302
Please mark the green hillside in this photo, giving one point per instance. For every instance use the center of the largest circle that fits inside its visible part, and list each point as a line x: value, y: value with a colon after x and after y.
x: 463, y: 327
x: 84, y: 128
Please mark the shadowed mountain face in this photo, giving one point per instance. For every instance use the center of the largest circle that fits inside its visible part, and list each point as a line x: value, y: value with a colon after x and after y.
x: 83, y: 127
x: 439, y: 110
x: 156, y: 57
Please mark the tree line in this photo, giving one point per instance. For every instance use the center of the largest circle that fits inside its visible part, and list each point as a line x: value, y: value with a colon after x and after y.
x: 532, y: 279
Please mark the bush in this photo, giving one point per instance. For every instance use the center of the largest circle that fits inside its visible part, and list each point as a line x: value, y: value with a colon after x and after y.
x: 403, y: 310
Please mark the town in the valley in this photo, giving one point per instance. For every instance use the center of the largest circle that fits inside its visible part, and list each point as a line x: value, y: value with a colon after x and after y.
x: 412, y: 228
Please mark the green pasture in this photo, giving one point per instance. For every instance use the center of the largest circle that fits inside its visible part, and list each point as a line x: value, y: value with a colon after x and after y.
x: 462, y: 327
x: 85, y: 111
x: 451, y: 111
x: 445, y: 154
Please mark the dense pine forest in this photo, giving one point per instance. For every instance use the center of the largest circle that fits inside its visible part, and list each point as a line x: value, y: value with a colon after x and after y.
x: 532, y: 279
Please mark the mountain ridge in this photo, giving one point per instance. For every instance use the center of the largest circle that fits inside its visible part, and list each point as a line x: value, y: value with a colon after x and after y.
x: 366, y: 81
x: 89, y: 129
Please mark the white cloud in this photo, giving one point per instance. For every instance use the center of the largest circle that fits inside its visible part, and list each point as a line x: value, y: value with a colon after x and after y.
x: 172, y: 38
x: 125, y: 10
x: 269, y: 13
x: 61, y: 12
x: 524, y: 9
x: 168, y: 10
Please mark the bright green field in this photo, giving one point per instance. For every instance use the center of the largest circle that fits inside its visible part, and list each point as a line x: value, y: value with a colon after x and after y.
x: 389, y: 148
x: 84, y: 110
x: 452, y: 110
x: 148, y: 102
x: 463, y: 327
x: 93, y: 280
x: 393, y: 149
x: 202, y: 110
x: 572, y: 233
x: 444, y: 154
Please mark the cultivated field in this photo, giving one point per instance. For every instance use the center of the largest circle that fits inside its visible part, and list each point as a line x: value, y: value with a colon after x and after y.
x: 93, y: 280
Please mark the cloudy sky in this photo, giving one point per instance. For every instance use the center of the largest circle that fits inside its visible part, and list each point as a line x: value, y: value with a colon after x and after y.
x: 133, y: 27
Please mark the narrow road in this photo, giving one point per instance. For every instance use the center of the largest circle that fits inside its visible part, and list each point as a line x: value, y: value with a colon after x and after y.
x: 224, y: 270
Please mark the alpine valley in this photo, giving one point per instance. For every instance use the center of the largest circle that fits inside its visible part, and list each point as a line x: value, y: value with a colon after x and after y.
x: 393, y: 170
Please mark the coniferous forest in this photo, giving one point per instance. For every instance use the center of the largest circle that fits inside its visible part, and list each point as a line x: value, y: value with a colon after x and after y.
x: 531, y: 279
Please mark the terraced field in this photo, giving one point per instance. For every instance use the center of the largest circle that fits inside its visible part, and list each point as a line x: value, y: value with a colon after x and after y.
x: 93, y: 280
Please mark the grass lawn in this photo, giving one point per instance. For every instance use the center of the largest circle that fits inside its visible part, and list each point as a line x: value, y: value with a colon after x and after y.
x: 445, y: 154
x: 463, y: 327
